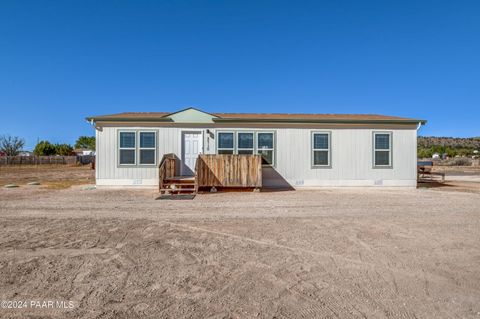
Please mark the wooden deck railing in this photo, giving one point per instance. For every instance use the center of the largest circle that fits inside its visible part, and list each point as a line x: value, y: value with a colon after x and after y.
x: 166, y: 169
x: 228, y: 171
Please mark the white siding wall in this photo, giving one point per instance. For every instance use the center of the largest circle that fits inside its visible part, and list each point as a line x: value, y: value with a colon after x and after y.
x: 351, y: 158
x: 110, y: 173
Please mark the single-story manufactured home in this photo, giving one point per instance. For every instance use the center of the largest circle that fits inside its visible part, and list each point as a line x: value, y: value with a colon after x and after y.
x: 296, y: 150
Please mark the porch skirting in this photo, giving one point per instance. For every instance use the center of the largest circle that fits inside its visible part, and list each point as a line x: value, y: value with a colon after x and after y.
x: 138, y: 182
x: 153, y: 183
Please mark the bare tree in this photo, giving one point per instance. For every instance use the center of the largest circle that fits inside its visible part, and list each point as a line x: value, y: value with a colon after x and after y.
x: 11, y: 145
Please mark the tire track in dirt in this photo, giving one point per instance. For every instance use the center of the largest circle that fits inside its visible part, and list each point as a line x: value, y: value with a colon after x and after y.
x: 266, y: 243
x: 335, y: 305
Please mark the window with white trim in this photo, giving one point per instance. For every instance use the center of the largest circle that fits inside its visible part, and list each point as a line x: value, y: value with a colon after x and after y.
x: 245, y: 142
x: 382, y: 149
x: 127, y: 148
x: 265, y: 147
x: 147, y: 148
x: 225, y: 143
x: 320, y: 149
x: 248, y: 142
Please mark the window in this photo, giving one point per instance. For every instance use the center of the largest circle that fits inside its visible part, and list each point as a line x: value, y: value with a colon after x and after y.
x: 265, y: 148
x: 225, y: 143
x: 382, y: 149
x: 134, y: 144
x: 248, y: 142
x: 245, y: 143
x: 321, y: 149
x: 147, y: 153
x: 127, y: 148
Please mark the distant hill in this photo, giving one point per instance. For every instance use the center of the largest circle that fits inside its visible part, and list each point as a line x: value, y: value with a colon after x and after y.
x: 453, y: 142
x: 452, y: 146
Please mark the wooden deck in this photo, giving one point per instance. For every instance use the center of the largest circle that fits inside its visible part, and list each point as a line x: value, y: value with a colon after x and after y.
x: 226, y: 171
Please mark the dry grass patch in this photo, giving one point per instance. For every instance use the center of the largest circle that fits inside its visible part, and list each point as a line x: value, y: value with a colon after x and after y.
x: 49, y: 176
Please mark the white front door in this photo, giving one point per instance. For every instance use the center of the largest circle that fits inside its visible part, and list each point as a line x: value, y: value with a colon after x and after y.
x: 192, y: 145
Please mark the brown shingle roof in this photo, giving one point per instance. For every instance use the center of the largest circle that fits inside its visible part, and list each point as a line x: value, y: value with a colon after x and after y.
x: 132, y: 115
x: 283, y: 117
x: 298, y: 116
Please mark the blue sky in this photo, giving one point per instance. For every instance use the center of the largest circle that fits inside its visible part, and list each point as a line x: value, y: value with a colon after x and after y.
x: 61, y: 61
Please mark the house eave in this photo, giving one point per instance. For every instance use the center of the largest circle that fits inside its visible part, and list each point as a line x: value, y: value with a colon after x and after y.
x: 320, y: 121
x: 117, y: 119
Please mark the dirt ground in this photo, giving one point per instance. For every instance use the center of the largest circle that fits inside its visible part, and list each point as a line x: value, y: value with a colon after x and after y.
x: 329, y: 253
x: 51, y: 176
x: 457, y: 179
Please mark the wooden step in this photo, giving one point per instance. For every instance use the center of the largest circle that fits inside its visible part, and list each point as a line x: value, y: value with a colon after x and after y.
x: 179, y: 184
x: 177, y: 189
x: 180, y: 179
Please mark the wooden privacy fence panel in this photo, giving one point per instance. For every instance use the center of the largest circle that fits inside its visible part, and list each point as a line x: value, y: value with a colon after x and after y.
x: 229, y: 171
x: 37, y: 160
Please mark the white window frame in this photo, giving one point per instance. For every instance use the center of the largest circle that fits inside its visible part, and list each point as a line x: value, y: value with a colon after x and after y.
x: 390, y: 148
x: 238, y: 148
x: 140, y: 148
x: 235, y: 148
x: 274, y: 144
x: 224, y: 148
x: 120, y: 148
x: 329, y: 149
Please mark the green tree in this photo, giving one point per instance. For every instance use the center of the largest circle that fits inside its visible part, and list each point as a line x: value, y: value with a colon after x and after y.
x: 45, y: 148
x: 424, y: 153
x: 87, y: 142
x: 11, y: 145
x: 451, y: 152
x: 63, y: 149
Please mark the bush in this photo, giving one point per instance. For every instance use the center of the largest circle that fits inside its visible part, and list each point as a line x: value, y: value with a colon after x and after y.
x: 424, y: 153
x: 86, y: 142
x: 45, y: 148
x: 63, y: 149
x: 458, y: 161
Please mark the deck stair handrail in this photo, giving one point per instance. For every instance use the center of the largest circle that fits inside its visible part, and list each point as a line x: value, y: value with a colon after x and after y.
x: 196, y: 174
x: 166, y: 169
